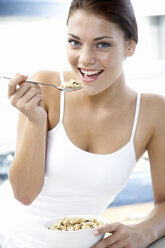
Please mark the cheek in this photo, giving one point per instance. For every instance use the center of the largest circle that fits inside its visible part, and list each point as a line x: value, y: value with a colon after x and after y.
x: 112, y: 60
x: 107, y: 59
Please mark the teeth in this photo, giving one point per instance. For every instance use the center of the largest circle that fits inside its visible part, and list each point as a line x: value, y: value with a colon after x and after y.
x: 90, y: 72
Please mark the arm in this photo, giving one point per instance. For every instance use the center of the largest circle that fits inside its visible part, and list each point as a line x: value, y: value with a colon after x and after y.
x: 27, y: 170
x: 153, y: 227
x: 156, y: 150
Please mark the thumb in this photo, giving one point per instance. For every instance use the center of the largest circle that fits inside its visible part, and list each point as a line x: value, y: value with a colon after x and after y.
x: 106, y: 228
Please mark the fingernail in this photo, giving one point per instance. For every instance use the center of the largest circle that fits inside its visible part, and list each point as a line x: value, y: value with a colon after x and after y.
x: 96, y: 232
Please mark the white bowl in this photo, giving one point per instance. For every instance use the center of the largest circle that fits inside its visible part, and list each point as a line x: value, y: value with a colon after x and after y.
x: 72, y: 239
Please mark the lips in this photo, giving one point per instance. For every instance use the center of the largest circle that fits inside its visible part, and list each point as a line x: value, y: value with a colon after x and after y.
x: 89, y: 75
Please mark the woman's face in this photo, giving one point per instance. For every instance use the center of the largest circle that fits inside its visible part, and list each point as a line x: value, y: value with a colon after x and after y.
x: 96, y: 50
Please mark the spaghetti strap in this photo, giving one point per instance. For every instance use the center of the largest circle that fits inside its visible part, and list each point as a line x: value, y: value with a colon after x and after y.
x: 136, y: 115
x: 62, y: 94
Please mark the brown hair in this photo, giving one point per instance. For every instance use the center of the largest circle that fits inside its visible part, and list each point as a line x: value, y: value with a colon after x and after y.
x: 118, y: 11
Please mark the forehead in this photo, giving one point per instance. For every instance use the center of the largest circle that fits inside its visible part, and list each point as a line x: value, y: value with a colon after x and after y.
x: 85, y: 24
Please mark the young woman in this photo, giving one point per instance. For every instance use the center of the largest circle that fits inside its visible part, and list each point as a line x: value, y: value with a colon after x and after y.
x: 76, y: 151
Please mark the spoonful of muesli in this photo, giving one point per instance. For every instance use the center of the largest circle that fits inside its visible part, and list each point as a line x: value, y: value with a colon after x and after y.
x: 71, y: 85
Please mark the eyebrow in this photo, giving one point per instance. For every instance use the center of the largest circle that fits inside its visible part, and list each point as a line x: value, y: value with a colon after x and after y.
x: 95, y: 39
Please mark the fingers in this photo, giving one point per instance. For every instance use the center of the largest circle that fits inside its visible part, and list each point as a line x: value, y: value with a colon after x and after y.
x: 31, y: 105
x: 14, y: 82
x: 110, y: 241
x: 27, y: 97
x: 25, y: 92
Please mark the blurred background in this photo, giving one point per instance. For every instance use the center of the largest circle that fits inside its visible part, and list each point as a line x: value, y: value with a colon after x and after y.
x: 33, y: 37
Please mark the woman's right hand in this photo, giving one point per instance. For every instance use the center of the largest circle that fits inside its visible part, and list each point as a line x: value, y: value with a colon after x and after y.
x: 27, y: 98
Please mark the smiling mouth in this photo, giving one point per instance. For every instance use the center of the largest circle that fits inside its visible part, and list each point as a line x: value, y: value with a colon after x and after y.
x: 90, y: 75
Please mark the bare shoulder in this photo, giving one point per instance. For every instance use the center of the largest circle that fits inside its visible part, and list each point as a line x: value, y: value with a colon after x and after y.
x: 154, y: 106
x: 151, y: 118
x: 52, y: 77
x: 153, y: 98
x: 51, y: 96
x: 46, y: 76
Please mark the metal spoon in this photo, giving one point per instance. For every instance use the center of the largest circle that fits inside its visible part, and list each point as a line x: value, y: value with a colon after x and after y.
x: 59, y: 88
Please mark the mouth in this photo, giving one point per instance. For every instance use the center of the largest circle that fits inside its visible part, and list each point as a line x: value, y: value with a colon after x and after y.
x: 89, y: 75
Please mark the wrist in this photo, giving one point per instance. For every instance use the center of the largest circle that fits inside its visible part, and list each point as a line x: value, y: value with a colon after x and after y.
x: 146, y: 232
x: 36, y: 129
x: 38, y: 122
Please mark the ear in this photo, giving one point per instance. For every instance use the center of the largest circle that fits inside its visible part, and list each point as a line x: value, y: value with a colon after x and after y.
x: 130, y: 48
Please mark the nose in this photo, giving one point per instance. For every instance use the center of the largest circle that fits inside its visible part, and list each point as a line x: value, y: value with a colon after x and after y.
x: 86, y: 56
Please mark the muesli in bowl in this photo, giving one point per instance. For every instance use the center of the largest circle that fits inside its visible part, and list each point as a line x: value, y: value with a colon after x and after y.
x: 73, y: 231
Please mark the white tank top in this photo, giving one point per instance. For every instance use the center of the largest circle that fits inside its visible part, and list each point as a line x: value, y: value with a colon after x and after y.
x: 80, y: 181
x: 76, y: 182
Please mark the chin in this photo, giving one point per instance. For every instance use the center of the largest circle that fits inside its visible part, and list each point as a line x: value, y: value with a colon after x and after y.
x: 92, y: 91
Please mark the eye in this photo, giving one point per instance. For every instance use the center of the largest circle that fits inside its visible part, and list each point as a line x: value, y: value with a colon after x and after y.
x: 74, y: 43
x: 103, y: 45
